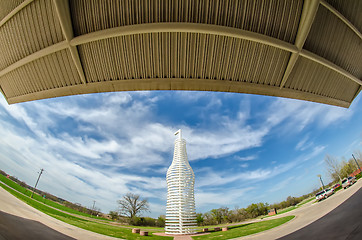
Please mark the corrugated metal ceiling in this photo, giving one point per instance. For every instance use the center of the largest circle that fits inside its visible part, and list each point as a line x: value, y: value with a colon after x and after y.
x: 57, y: 48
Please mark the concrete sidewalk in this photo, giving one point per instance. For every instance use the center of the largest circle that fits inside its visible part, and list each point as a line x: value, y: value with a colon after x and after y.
x: 305, y: 215
x: 182, y: 237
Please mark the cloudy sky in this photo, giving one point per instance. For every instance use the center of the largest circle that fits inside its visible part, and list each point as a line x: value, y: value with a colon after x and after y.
x: 242, y: 148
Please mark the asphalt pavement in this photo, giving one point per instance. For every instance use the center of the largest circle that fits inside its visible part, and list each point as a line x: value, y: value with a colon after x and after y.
x: 14, y: 228
x: 344, y: 222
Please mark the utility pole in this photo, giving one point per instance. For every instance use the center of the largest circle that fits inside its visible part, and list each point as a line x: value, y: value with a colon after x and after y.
x: 41, y: 171
x: 94, y: 203
x: 356, y: 163
x: 320, y: 178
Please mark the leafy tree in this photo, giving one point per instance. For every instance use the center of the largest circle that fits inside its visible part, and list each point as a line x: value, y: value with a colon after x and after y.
x: 114, y: 215
x: 348, y: 168
x: 131, y: 205
x: 220, y: 215
x: 161, y: 221
x: 238, y: 215
x: 292, y: 201
x: 225, y: 214
x: 216, y: 215
x: 208, y: 219
x: 257, y: 209
x: 199, y: 219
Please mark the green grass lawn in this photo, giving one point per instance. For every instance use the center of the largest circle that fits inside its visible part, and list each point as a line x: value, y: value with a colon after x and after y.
x: 14, y: 185
x: 296, y: 206
x: 306, y: 201
x: 51, y: 203
x: 113, y: 231
x: 288, y: 209
x: 245, y: 229
x: 105, y: 229
x: 39, y: 206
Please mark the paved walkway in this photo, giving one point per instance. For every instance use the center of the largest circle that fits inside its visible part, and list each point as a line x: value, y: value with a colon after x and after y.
x: 183, y: 237
x: 306, y: 214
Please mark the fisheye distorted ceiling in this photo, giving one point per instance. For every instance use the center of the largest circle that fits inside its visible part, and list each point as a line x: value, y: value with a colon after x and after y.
x: 309, y: 50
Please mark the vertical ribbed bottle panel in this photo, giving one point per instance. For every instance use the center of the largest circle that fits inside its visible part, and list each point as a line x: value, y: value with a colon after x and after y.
x: 180, y: 211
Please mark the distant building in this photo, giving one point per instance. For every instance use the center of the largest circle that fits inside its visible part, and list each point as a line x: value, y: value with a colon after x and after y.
x: 180, y: 211
x: 355, y: 173
x: 272, y: 211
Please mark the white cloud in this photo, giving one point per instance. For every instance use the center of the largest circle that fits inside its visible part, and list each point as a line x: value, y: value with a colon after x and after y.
x: 247, y: 158
x: 304, y: 144
x: 220, y: 198
x: 76, y: 162
x: 244, y: 165
x: 281, y: 185
x: 300, y: 114
x: 225, y: 141
x: 210, y: 178
x: 190, y: 96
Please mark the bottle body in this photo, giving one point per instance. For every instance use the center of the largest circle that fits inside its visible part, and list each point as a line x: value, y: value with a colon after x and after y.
x: 180, y: 211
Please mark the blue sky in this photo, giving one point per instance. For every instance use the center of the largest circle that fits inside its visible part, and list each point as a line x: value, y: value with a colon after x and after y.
x: 243, y: 148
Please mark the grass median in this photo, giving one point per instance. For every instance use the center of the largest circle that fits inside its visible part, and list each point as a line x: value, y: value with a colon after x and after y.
x: 245, y: 229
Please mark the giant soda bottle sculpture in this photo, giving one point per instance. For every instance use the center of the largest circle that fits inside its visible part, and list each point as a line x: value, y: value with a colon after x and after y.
x: 180, y: 211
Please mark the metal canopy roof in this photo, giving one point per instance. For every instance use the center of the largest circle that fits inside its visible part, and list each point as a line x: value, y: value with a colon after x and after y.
x: 309, y: 50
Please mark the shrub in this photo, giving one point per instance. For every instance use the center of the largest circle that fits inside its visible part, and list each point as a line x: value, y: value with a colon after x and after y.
x: 114, y: 215
x: 142, y: 221
x: 160, y: 221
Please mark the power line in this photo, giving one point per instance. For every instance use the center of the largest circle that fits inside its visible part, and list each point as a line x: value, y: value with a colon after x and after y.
x: 41, y: 171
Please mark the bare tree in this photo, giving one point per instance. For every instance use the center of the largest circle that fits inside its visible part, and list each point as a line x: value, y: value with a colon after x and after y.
x: 333, y: 167
x: 358, y: 156
x: 131, y: 205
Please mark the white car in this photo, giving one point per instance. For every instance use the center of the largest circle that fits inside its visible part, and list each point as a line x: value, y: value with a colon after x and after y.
x: 321, y: 195
x: 348, y: 182
x: 324, y: 194
x: 329, y: 192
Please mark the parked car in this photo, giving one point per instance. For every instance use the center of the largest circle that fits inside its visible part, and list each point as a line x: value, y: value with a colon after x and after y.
x: 320, y: 195
x: 336, y: 186
x: 324, y: 194
x: 348, y: 182
x: 329, y: 192
x: 353, y: 179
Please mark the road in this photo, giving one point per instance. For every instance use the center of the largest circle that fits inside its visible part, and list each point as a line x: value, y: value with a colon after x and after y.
x: 335, y: 210
x: 14, y: 227
x: 344, y: 222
